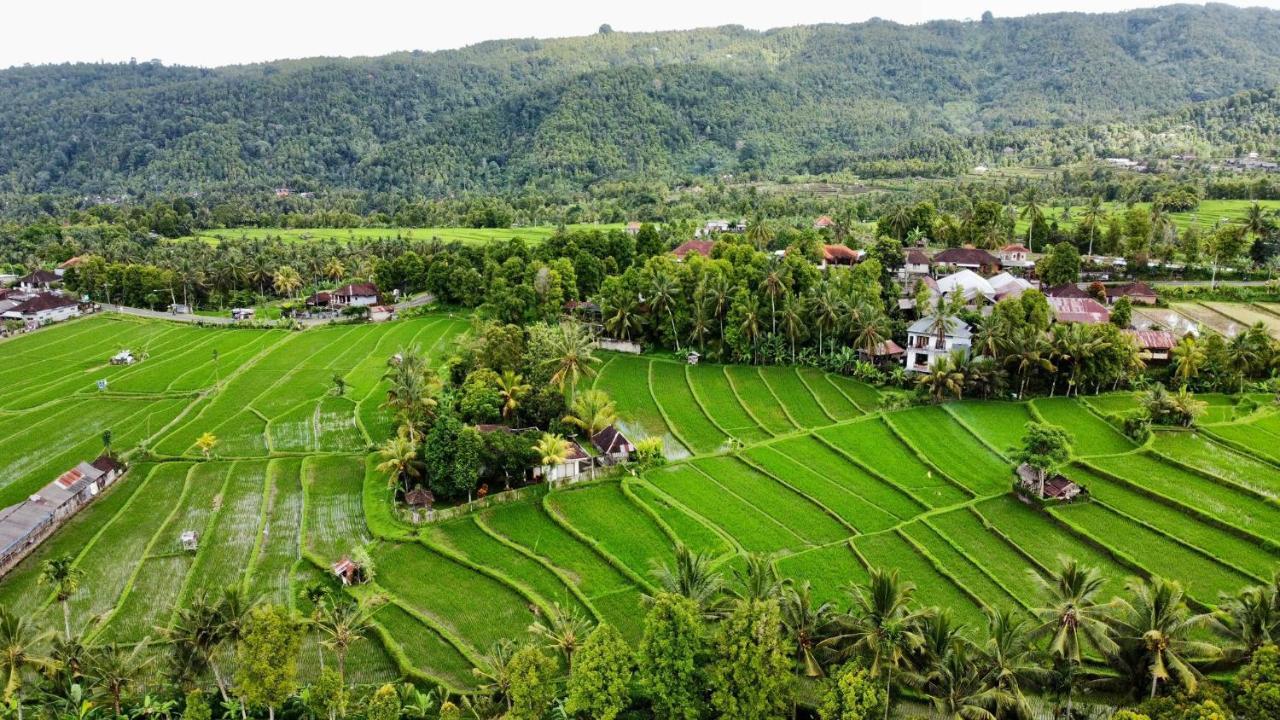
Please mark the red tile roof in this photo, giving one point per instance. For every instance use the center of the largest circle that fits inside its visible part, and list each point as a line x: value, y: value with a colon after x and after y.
x: 886, y: 348
x: 839, y: 254
x: 1015, y: 247
x: 1079, y: 310
x: 1133, y: 289
x: 823, y: 221
x: 702, y: 247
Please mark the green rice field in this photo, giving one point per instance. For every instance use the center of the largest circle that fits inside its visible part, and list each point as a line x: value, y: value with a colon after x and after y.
x: 799, y: 465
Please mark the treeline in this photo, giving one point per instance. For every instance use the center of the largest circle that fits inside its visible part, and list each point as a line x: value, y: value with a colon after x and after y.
x: 747, y: 645
x: 874, y: 98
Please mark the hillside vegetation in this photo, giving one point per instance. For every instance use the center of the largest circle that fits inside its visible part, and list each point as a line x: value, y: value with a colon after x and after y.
x: 559, y: 114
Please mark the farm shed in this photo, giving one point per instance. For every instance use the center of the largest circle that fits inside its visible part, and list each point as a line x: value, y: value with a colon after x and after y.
x: 1056, y: 487
x: 612, y: 445
x: 576, y: 462
x: 24, y: 525
x: 1153, y: 345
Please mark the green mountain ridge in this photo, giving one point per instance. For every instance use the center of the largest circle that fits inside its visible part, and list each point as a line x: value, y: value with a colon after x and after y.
x: 563, y: 114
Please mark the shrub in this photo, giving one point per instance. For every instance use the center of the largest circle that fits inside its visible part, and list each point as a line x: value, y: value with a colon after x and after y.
x: 1257, y: 688
x: 852, y: 694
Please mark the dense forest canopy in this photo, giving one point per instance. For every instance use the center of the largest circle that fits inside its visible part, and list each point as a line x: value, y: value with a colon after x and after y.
x: 562, y: 115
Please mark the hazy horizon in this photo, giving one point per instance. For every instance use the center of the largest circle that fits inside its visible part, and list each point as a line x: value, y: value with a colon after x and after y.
x: 242, y: 32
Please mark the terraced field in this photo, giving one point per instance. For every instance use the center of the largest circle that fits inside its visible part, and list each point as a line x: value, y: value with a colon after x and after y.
x: 793, y: 463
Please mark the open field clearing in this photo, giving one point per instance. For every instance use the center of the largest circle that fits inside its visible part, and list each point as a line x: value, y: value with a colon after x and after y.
x: 790, y: 462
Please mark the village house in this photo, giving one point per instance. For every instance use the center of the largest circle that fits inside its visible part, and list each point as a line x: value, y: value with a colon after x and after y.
x: 1067, y: 290
x: 968, y: 258
x: 1008, y: 286
x: 823, y: 222
x: 613, y: 446
x: 1138, y: 293
x: 1015, y: 255
x: 25, y: 525
x: 38, y: 280
x: 1079, y: 310
x: 968, y: 284
x: 576, y: 462
x: 43, y: 309
x: 66, y: 265
x: 839, y: 255
x: 701, y: 247
x: 1154, y: 346
x: 915, y: 265
x: 355, y: 295
x: 882, y: 354
x: 320, y: 299
x: 930, y: 338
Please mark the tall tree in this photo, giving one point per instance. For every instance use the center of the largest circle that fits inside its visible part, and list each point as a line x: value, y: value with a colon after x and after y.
x: 750, y: 675
x: 267, y: 657
x: 669, y: 657
x: 600, y: 681
x: 1154, y: 631
x: 62, y: 574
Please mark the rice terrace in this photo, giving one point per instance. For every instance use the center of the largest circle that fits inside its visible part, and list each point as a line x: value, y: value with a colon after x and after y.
x: 801, y: 465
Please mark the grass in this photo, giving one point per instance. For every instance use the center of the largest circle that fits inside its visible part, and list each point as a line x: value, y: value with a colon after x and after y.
x: 839, y: 498
x: 712, y: 390
x: 932, y: 433
x: 982, y: 544
x: 834, y: 402
x: 334, y: 519
x: 601, y: 511
x: 830, y: 571
x: 1001, y: 425
x: 784, y: 505
x: 751, y: 528
x: 799, y: 402
x: 1090, y: 434
x: 891, y: 551
x: 686, y: 417
x: 838, y: 469
x: 693, y: 533
x: 959, y: 568
x: 873, y: 444
x: 756, y: 396
x: 1199, y: 451
x: 627, y: 379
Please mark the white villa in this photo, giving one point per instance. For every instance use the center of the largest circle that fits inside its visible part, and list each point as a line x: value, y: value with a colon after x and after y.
x: 930, y: 338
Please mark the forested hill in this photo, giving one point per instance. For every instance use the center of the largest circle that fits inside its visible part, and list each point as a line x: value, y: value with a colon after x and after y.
x: 562, y: 114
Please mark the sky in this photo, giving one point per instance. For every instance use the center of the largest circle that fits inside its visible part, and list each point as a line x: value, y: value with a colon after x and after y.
x: 225, y: 32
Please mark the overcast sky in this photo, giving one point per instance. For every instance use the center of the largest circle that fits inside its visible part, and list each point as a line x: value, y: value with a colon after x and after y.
x: 222, y: 32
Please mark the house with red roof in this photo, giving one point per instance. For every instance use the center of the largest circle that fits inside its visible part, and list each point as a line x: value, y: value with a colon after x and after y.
x: 355, y: 294
x: 823, y: 222
x: 1015, y: 255
x: 1079, y: 310
x: 968, y: 258
x: 1137, y: 292
x: 840, y: 255
x: 1154, y: 346
x: 701, y: 247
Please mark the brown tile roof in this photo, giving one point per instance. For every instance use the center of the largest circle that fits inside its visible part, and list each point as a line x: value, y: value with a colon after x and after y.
x: 609, y: 440
x: 1133, y: 289
x: 966, y: 256
x: 357, y: 289
x: 76, y: 261
x: 106, y: 463
x: 917, y: 257
x: 1015, y: 247
x: 39, y: 277
x: 884, y: 349
x: 702, y: 247
x: 839, y: 254
x: 44, y: 301
x: 1067, y: 290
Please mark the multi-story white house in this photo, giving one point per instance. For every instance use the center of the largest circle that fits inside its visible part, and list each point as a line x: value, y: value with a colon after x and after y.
x: 930, y: 338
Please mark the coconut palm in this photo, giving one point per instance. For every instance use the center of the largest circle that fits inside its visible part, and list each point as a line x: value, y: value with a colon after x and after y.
x: 1031, y: 211
x: 793, y: 323
x: 774, y: 288
x: 699, y: 320
x: 944, y: 377
x: 341, y: 626
x: 1010, y: 657
x: 494, y: 671
x: 115, y: 668
x: 1153, y: 627
x: 1093, y: 215
x: 808, y: 623
x: 19, y: 654
x: 1028, y: 351
x: 759, y: 233
x: 195, y: 635
x: 1072, y: 617
x: 511, y: 389
x: 286, y: 281
x: 411, y: 389
x: 334, y: 269
x: 64, y: 577
x: 692, y: 576
x: 552, y: 450
x: 750, y: 326
x: 881, y: 624
x: 622, y: 316
x: 592, y: 411
x: 664, y: 290
x: 563, y: 630
x: 757, y: 579
x: 398, y: 460
x: 959, y: 689
x: 1255, y: 220
x: 825, y: 311
x: 1250, y: 619
x: 571, y: 356
x: 717, y: 292
x: 1189, y: 357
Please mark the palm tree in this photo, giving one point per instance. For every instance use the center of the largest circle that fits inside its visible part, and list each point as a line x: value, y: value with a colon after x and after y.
x: 592, y: 411
x: 1072, y: 616
x: 116, y: 667
x: 700, y: 321
x: 64, y: 577
x: 511, y: 389
x: 750, y: 326
x: 342, y: 625
x: 398, y: 458
x: 1029, y: 351
x: 494, y: 671
x: 872, y: 333
x: 552, y: 450
x: 960, y: 690
x: 571, y: 356
x: 1153, y: 629
x: 1093, y: 214
x: 334, y: 269
x: 757, y: 579
x: 286, y: 281
x: 944, y: 377
x: 1188, y: 357
x: 1255, y: 220
x: 563, y: 630
x: 196, y: 634
x: 1009, y: 656
x: 825, y: 311
x: 1031, y: 211
x: 773, y: 287
x: 717, y: 292
x: 759, y: 233
x: 881, y: 624
x: 808, y: 623
x: 793, y: 323
x: 411, y: 389
x: 1245, y: 352
x: 19, y: 640
x: 1250, y: 619
x: 622, y: 317
x: 692, y: 576
x: 664, y: 288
